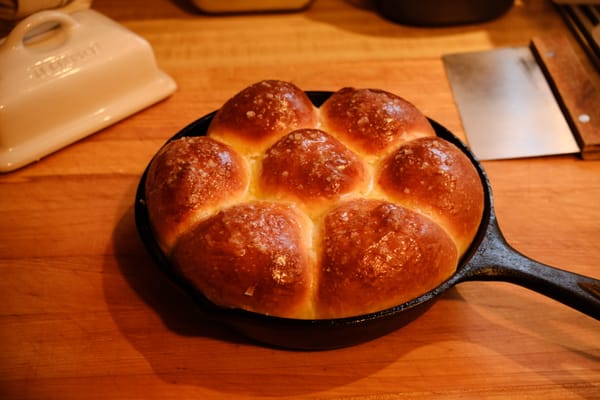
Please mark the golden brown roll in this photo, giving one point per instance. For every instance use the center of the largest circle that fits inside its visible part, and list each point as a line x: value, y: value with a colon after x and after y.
x: 252, y: 256
x: 373, y: 121
x: 290, y: 210
x: 187, y: 180
x: 310, y: 166
x: 262, y: 113
x: 435, y: 177
x: 377, y: 255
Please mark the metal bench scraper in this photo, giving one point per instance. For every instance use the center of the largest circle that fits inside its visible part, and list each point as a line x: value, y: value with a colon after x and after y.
x: 526, y: 101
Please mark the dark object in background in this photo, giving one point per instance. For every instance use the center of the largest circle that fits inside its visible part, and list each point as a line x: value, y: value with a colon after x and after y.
x: 441, y: 12
x: 254, y: 6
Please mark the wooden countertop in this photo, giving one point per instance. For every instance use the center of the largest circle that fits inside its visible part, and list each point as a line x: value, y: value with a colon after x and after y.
x: 84, y: 313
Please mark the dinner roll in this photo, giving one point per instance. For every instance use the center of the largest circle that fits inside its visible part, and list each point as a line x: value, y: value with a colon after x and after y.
x: 262, y: 113
x: 376, y: 255
x: 187, y: 180
x: 433, y: 176
x: 304, y: 212
x: 311, y: 167
x: 253, y: 256
x: 373, y: 121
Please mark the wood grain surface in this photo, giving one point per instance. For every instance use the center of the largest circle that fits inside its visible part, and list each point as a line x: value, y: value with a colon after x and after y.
x: 85, y: 314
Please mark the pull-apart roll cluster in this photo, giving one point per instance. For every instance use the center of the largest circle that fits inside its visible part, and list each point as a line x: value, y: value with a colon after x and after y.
x: 298, y: 211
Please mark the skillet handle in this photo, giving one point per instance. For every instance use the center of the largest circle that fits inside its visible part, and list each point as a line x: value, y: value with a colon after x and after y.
x: 496, y: 260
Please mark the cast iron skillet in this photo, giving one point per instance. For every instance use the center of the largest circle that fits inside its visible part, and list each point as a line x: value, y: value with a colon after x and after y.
x: 490, y: 258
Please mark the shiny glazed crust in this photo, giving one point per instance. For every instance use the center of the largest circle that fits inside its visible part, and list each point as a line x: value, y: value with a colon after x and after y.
x: 372, y: 121
x: 257, y: 253
x: 377, y: 255
x: 187, y: 180
x: 311, y: 167
x: 262, y: 113
x: 290, y: 210
x: 434, y: 176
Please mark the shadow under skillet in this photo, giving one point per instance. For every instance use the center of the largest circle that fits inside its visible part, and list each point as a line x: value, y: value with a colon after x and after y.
x: 184, y: 345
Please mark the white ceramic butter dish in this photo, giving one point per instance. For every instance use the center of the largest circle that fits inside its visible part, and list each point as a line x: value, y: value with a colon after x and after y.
x: 66, y: 76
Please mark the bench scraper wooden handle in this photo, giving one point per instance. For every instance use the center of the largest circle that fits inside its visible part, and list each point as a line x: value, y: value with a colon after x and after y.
x: 575, y: 92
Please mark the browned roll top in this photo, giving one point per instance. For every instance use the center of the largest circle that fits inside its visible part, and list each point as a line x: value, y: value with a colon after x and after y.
x: 311, y: 166
x: 373, y: 120
x: 187, y: 180
x: 262, y: 113
x: 252, y: 256
x: 290, y: 210
x: 377, y: 255
x: 434, y: 176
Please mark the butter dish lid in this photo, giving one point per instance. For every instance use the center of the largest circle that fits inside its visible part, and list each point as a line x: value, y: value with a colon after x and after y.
x: 66, y: 76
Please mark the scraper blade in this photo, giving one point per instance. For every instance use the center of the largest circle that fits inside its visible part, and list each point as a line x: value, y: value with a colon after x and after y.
x: 507, y: 107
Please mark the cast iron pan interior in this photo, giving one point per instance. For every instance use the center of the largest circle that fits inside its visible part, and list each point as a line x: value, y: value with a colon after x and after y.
x: 490, y: 257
